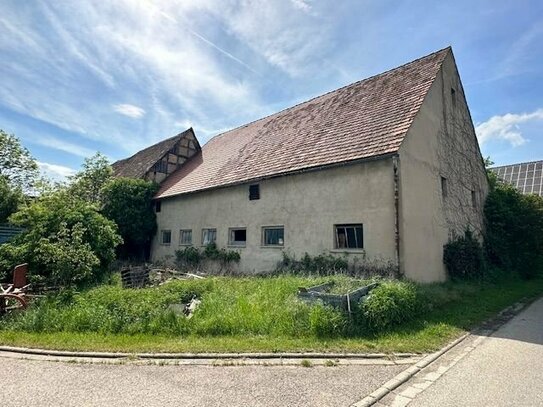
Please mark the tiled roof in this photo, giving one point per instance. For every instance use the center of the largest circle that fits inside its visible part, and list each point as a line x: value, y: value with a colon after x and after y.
x: 365, y: 119
x: 138, y: 165
x: 526, y: 177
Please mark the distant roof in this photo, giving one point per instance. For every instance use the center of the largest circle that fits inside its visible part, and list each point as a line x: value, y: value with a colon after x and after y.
x: 365, y: 119
x: 141, y: 162
x: 526, y: 177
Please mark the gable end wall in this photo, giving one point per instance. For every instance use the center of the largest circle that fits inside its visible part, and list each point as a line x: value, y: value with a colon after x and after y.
x: 440, y: 143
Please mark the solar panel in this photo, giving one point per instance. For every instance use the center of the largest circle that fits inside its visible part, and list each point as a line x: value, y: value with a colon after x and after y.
x: 526, y: 177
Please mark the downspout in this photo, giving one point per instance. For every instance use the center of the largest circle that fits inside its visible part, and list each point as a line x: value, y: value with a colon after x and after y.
x: 395, y: 165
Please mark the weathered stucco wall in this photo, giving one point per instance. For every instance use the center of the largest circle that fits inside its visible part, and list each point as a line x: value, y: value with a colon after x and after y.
x: 440, y: 143
x: 307, y: 204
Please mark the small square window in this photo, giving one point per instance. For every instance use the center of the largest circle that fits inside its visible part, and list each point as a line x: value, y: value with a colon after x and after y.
x: 349, y: 236
x: 166, y: 237
x: 273, y: 236
x: 254, y: 192
x: 185, y: 237
x: 444, y: 190
x: 237, y: 237
x: 158, y: 206
x: 209, y: 236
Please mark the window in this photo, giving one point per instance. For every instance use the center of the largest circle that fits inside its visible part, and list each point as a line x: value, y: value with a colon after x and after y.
x: 166, y: 237
x: 453, y: 97
x: 185, y: 237
x: 473, y: 199
x: 209, y: 236
x: 444, y: 187
x: 237, y: 237
x: 349, y: 236
x: 273, y: 236
x: 254, y: 192
x: 158, y: 206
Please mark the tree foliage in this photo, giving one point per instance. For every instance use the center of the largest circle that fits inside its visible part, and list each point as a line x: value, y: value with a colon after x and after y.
x: 10, y: 198
x: 17, y: 166
x: 128, y: 202
x: 66, y: 240
x: 88, y: 183
x: 514, y: 230
x: 464, y: 257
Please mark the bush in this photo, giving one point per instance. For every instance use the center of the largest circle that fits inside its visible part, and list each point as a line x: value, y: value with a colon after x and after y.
x: 463, y: 257
x: 391, y: 303
x: 128, y: 202
x: 66, y: 241
x: 322, y: 264
x: 191, y: 257
x: 514, y: 230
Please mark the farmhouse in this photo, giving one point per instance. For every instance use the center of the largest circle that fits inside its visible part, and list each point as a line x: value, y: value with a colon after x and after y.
x: 386, y: 169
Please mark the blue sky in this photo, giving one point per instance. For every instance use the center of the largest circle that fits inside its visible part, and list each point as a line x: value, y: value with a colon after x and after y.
x: 119, y: 75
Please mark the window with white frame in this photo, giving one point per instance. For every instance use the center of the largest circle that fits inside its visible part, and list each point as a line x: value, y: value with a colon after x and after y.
x: 185, y: 237
x: 209, y: 236
x: 166, y: 237
x: 273, y: 236
x: 349, y: 236
x: 237, y: 236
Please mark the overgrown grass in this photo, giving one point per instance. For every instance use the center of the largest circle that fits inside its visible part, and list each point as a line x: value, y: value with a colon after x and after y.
x: 250, y: 314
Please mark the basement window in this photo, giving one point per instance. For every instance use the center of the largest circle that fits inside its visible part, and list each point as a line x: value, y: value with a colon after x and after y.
x: 158, y: 206
x: 237, y: 237
x: 444, y: 189
x: 349, y: 236
x: 254, y: 192
x: 166, y: 237
x: 209, y: 236
x: 185, y: 237
x: 273, y: 236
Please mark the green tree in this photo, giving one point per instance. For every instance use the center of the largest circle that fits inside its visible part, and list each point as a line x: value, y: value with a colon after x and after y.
x: 65, y: 239
x: 88, y: 183
x: 10, y: 198
x: 17, y: 166
x: 128, y: 202
x: 514, y: 230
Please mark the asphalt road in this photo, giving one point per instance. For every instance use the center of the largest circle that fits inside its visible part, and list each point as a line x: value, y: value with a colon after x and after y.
x: 45, y: 383
x: 506, y: 369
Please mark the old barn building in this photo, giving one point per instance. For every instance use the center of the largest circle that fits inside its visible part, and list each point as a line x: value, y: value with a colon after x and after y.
x: 387, y: 169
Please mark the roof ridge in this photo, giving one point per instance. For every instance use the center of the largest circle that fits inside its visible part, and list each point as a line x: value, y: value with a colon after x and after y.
x: 448, y: 48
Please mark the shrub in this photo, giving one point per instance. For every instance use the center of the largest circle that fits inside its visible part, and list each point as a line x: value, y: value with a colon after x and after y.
x: 390, y: 304
x: 514, y: 230
x: 192, y: 257
x: 322, y: 264
x: 188, y: 257
x: 463, y: 257
x: 128, y: 203
x: 65, y: 240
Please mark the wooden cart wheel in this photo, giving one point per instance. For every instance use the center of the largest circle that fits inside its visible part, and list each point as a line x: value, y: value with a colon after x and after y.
x: 11, y: 302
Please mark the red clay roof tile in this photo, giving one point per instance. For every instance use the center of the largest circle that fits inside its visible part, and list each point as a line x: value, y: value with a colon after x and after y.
x: 365, y: 119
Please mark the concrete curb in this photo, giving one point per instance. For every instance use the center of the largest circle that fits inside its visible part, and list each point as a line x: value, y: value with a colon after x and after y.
x: 197, y: 356
x: 486, y: 328
x: 407, y: 374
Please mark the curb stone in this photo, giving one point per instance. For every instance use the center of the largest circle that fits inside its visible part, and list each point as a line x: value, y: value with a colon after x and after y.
x: 388, y: 358
x: 485, y: 329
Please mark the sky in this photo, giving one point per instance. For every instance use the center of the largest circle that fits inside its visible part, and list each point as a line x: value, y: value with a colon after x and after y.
x: 116, y: 76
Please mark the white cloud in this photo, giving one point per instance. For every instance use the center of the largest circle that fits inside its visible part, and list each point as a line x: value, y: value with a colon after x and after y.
x: 132, y: 111
x: 56, y: 172
x: 301, y: 5
x: 61, y: 145
x: 506, y: 127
